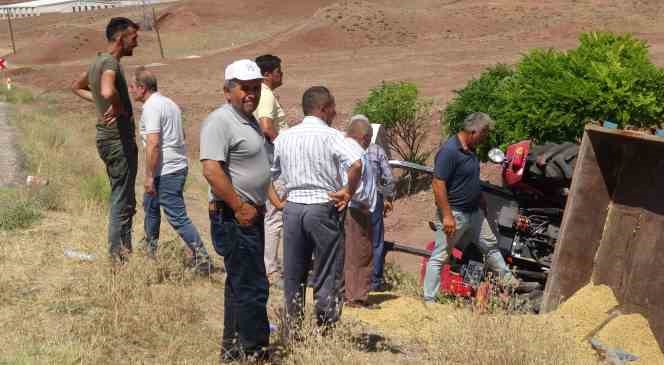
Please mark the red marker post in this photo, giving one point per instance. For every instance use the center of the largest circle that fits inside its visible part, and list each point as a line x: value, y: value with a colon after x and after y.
x: 3, y: 67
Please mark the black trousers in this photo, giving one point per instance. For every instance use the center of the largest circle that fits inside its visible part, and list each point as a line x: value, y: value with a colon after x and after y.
x: 313, y: 229
x: 246, y: 326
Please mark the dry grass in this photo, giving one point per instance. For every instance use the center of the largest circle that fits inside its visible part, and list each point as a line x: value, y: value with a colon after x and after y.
x: 59, y: 310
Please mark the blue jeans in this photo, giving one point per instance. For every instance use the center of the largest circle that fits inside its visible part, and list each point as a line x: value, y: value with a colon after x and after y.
x: 169, y: 196
x: 470, y: 228
x: 378, y: 240
x: 246, y: 326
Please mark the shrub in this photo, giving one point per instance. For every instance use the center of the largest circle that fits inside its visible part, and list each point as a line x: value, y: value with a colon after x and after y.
x: 404, y: 115
x: 551, y: 94
x: 480, y: 94
x: 17, y: 210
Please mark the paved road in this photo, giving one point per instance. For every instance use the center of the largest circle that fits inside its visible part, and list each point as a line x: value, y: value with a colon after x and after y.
x: 9, y: 161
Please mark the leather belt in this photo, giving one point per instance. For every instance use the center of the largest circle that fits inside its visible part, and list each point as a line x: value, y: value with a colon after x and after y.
x: 221, y: 207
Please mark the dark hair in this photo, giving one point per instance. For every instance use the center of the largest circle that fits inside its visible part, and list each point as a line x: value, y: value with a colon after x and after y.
x: 117, y: 25
x: 316, y: 98
x: 146, y: 78
x: 268, y: 63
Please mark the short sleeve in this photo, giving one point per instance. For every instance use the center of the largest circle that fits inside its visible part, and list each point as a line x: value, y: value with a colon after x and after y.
x: 346, y: 151
x: 110, y: 64
x: 214, y: 144
x: 265, y: 107
x: 444, y: 165
x: 151, y: 119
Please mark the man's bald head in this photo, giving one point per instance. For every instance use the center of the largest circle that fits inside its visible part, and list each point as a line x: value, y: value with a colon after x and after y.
x: 146, y: 78
x: 360, y: 130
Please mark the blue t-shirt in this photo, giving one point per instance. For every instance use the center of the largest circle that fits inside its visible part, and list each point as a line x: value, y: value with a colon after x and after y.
x: 460, y: 169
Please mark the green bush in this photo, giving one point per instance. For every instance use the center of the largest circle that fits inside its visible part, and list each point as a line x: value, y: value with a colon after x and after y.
x: 480, y: 94
x: 405, y: 116
x: 17, y: 210
x: 551, y: 94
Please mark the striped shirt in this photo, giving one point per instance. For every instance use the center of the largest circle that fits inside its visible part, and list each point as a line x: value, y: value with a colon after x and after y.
x: 307, y: 158
x: 381, y: 168
x: 366, y: 194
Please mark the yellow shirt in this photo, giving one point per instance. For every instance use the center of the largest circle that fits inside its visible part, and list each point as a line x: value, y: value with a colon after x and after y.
x: 269, y: 107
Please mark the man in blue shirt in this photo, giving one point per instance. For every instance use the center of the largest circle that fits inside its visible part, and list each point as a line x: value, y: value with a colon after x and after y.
x: 461, y: 206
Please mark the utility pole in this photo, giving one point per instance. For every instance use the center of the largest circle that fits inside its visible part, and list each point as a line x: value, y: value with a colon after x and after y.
x: 145, y: 13
x: 156, y: 29
x: 11, y: 29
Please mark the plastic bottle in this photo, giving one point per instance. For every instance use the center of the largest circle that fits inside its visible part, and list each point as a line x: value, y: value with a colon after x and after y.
x: 74, y: 254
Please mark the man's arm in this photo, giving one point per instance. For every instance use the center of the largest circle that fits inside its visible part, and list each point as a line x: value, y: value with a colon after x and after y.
x: 268, y: 128
x: 276, y: 201
x: 221, y: 186
x: 440, y: 195
x: 110, y: 94
x: 81, y: 88
x: 343, y: 196
x: 151, y: 161
x: 388, y: 179
x: 350, y: 155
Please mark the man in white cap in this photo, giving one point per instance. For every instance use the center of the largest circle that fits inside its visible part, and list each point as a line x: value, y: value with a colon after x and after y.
x: 235, y: 164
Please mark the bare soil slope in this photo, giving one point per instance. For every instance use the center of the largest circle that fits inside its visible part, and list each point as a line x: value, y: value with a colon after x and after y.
x: 348, y: 45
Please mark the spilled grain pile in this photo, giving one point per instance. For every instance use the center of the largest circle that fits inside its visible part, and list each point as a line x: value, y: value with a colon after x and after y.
x: 633, y: 334
x: 499, y: 338
x: 562, y: 335
x: 586, y: 310
x: 594, y: 311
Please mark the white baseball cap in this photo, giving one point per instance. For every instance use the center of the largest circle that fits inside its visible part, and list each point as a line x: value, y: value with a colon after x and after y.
x: 243, y: 70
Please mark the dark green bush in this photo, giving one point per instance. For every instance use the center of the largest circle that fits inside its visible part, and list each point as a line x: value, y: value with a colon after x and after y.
x: 552, y: 94
x: 405, y: 116
x: 480, y: 94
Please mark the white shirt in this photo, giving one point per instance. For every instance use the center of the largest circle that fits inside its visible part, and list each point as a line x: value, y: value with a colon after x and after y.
x: 366, y: 194
x: 307, y: 158
x: 161, y: 115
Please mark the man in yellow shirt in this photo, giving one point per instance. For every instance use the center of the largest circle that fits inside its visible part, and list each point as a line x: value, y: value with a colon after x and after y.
x: 271, y: 118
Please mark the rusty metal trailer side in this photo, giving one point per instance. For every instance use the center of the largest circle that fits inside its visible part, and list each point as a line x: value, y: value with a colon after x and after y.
x: 613, y: 226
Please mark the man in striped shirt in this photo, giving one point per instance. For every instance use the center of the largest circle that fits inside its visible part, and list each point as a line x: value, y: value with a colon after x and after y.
x: 307, y: 159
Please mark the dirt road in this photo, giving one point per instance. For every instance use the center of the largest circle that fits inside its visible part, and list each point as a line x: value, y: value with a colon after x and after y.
x: 9, y: 161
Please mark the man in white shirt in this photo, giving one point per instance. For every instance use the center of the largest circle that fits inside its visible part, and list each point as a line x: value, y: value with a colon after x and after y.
x: 166, y: 168
x: 307, y: 157
x: 272, y: 119
x: 357, y: 224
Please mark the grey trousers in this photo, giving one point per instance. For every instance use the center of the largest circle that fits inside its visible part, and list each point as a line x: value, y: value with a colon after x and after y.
x: 313, y: 229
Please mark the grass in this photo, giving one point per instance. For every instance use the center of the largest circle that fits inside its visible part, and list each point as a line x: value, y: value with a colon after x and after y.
x: 59, y: 310
x: 17, y: 210
x: 15, y: 95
